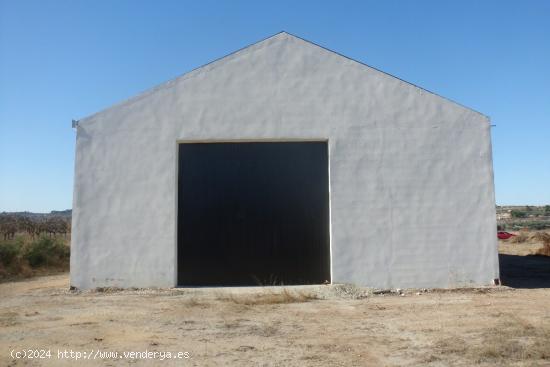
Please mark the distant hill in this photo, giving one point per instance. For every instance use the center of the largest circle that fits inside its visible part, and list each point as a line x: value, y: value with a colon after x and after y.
x: 54, y: 213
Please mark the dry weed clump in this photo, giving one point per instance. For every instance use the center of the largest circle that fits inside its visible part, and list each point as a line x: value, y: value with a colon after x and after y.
x: 544, y: 250
x: 542, y: 237
x: 545, y: 239
x: 270, y: 298
x: 521, y: 237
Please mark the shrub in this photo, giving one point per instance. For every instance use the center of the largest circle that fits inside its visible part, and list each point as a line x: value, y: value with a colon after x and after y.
x: 518, y: 214
x: 46, y: 251
x: 9, y: 251
x: 538, y: 226
x: 532, y: 225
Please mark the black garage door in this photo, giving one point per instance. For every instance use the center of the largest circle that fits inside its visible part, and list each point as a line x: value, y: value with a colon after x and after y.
x: 253, y: 213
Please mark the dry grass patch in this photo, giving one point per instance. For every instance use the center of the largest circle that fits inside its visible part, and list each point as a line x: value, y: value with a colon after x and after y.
x: 511, y: 340
x: 8, y: 319
x: 451, y: 345
x: 514, y: 339
x: 266, y: 330
x: 194, y: 302
x: 231, y: 324
x: 270, y: 298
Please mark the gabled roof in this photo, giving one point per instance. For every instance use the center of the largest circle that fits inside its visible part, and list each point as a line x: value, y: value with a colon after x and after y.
x: 276, y: 37
x: 380, y: 71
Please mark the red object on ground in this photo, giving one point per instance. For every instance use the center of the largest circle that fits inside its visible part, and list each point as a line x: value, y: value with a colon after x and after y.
x: 504, y: 235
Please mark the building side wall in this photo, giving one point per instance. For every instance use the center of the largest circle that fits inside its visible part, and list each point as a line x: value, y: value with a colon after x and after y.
x: 412, y: 200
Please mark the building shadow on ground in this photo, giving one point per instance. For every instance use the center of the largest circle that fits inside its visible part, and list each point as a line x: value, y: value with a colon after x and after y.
x: 525, y: 271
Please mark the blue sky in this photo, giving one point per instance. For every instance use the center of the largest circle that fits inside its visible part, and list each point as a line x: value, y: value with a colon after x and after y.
x: 63, y: 60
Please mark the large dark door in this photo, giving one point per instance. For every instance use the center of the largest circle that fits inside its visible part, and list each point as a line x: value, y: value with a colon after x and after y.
x: 253, y: 213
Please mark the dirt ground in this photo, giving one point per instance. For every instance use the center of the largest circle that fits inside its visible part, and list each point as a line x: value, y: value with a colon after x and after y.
x: 300, y: 326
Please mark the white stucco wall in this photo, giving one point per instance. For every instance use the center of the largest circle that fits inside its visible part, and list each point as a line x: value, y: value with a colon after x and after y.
x: 411, y: 181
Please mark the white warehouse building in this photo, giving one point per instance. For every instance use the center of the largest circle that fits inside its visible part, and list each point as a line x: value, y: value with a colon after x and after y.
x: 284, y: 163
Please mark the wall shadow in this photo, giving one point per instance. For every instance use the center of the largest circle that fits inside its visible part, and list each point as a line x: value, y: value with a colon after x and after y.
x: 525, y: 271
